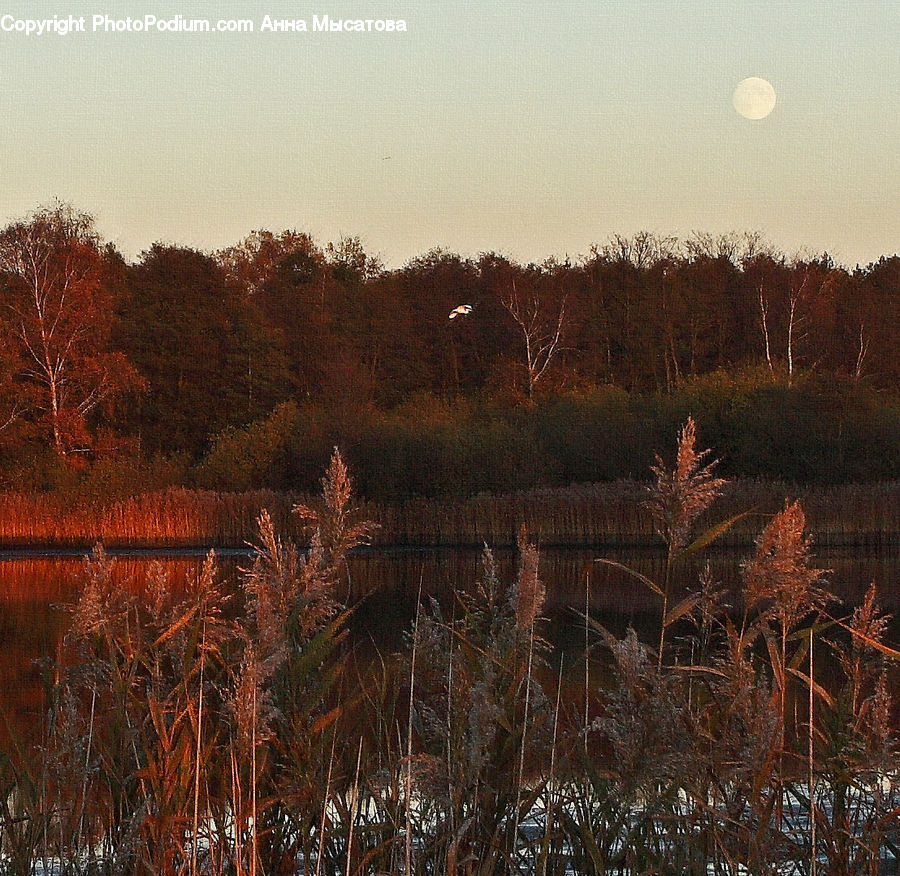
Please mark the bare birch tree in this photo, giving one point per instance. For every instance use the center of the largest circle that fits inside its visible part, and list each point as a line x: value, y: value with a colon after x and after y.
x: 57, y: 310
x: 541, y: 328
x: 798, y: 293
x: 764, y: 321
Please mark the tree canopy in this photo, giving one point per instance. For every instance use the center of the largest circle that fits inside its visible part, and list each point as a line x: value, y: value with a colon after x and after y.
x: 184, y: 351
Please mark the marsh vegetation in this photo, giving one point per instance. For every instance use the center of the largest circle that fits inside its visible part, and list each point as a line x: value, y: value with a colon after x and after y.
x: 231, y: 728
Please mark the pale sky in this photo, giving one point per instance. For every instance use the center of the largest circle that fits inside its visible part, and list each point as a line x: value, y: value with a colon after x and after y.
x: 529, y: 128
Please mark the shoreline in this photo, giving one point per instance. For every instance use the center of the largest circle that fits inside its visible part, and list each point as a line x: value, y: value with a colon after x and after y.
x: 601, y: 516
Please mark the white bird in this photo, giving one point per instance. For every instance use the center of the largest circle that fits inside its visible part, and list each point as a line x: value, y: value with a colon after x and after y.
x: 462, y: 310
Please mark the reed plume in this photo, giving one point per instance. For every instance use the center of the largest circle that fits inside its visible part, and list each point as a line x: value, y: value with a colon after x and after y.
x: 530, y: 590
x: 779, y: 573
x: 676, y: 500
x: 682, y: 494
x: 284, y: 591
x: 339, y: 524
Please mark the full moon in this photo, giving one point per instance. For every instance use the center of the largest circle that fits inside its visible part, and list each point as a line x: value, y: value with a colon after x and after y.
x: 754, y: 98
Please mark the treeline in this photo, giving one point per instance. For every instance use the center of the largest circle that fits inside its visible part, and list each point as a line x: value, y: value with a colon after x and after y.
x: 243, y: 368
x: 819, y: 432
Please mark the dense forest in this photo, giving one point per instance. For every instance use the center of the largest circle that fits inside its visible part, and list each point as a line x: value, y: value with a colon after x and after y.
x: 242, y: 368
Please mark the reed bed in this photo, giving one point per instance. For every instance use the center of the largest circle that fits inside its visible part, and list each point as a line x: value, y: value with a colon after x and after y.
x: 614, y: 515
x: 607, y: 515
x: 231, y: 731
x: 170, y: 518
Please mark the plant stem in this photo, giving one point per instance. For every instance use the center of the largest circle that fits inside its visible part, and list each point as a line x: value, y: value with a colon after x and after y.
x: 354, y: 807
x: 812, y: 801
x: 197, y: 756
x: 515, y: 835
x: 409, y: 733
x: 587, y: 671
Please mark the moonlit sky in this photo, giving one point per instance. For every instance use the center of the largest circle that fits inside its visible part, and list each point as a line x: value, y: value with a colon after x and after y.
x: 529, y: 128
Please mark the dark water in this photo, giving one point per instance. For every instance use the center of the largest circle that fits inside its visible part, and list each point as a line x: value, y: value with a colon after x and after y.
x: 38, y: 592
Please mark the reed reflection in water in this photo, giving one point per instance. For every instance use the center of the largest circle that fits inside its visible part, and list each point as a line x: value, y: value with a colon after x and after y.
x: 37, y: 592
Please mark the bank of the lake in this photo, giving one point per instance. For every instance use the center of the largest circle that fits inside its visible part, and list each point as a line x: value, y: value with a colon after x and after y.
x: 602, y: 515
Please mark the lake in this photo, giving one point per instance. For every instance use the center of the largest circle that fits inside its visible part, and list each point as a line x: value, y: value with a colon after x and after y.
x: 38, y: 590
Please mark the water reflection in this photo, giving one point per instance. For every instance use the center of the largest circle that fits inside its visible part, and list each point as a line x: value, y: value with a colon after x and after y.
x: 37, y: 593
x: 392, y: 580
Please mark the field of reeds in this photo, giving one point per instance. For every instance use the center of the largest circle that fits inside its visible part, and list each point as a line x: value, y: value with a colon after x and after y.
x: 228, y: 729
x: 615, y: 515
x: 603, y: 515
x: 175, y: 517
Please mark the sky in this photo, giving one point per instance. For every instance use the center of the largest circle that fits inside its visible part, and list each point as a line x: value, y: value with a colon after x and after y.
x: 533, y: 129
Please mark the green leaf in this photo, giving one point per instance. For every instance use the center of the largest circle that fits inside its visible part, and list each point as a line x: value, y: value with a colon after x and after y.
x: 712, y: 534
x: 872, y: 643
x: 680, y: 610
x: 818, y: 627
x: 318, y: 648
x: 815, y: 686
x: 608, y: 638
x: 634, y: 574
x: 775, y: 660
x: 799, y: 656
x: 702, y: 670
x: 175, y: 626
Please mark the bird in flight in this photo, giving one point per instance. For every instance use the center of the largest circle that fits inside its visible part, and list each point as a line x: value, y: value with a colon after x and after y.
x: 462, y: 310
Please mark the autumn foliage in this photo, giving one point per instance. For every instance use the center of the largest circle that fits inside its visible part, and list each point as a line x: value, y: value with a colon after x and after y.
x: 243, y: 368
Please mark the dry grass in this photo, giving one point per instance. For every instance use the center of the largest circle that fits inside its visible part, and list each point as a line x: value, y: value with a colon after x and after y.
x: 228, y: 730
x: 596, y: 516
x: 173, y: 517
x: 612, y: 515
